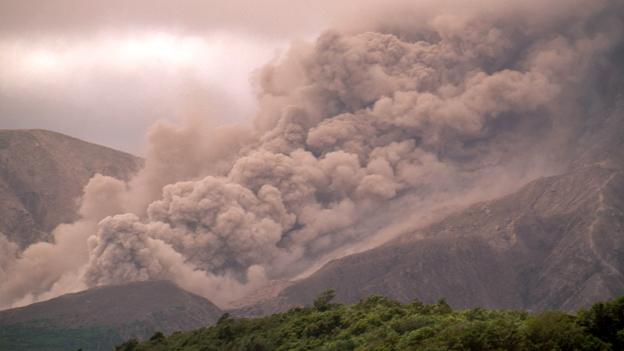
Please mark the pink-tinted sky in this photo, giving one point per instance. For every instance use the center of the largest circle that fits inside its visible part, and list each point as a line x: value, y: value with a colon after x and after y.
x: 105, y: 71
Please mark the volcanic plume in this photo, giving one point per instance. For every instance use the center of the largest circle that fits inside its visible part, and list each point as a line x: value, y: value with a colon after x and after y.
x: 375, y: 123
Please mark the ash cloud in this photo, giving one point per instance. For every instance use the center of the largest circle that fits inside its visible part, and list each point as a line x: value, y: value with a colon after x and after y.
x: 409, y: 112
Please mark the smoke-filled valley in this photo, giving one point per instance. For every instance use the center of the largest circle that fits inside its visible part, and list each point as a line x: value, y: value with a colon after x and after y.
x: 366, y: 134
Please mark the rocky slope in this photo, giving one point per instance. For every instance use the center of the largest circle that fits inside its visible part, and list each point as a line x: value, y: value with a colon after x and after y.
x: 42, y: 174
x: 556, y: 243
x: 100, y: 318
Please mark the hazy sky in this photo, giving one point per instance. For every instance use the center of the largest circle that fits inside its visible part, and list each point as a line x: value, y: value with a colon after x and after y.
x: 105, y: 71
x: 398, y: 113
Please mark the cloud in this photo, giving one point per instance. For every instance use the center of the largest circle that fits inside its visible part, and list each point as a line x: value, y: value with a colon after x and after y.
x: 110, y: 87
x: 355, y: 132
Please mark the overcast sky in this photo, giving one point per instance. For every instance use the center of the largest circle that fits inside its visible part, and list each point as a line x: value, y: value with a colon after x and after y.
x: 104, y: 71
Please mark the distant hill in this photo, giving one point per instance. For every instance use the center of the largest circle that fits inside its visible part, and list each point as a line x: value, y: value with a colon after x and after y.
x: 555, y: 244
x: 42, y: 173
x: 100, y: 318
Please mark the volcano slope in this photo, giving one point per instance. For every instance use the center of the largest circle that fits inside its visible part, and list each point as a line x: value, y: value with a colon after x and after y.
x: 42, y: 174
x: 556, y: 243
x: 99, y: 318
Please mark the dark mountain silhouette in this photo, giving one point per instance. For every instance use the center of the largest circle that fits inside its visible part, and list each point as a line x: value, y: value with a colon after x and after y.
x: 99, y: 318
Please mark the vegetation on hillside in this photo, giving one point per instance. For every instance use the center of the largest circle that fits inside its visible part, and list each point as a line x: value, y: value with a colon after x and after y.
x: 378, y: 323
x: 46, y: 336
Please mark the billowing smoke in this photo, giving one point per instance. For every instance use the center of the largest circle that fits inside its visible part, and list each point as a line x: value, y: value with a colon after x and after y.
x: 404, y: 112
x: 185, y: 152
x: 44, y: 270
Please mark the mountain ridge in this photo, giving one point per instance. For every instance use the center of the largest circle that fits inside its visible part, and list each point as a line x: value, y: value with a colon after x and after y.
x: 105, y: 316
x: 538, y: 248
x: 42, y: 174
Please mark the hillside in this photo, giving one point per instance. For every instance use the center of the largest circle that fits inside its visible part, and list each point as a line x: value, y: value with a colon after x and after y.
x: 42, y: 173
x: 556, y: 243
x: 377, y: 323
x: 99, y: 318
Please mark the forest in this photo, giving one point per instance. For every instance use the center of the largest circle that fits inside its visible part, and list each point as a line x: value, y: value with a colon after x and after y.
x: 378, y: 323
